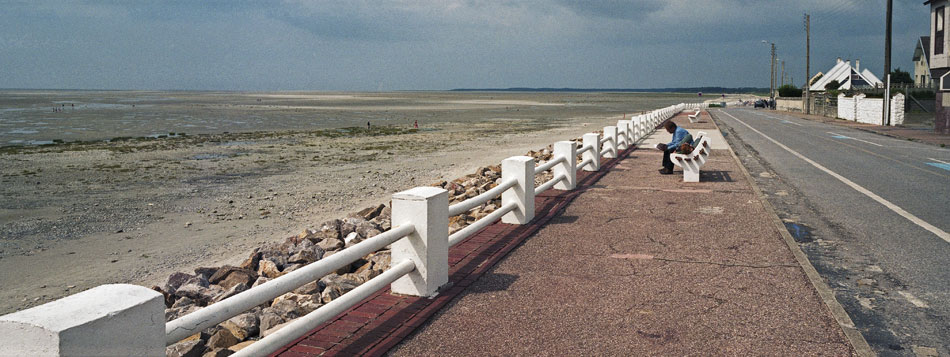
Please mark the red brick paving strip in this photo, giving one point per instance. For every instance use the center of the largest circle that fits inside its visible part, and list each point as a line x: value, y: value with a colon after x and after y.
x: 379, y: 322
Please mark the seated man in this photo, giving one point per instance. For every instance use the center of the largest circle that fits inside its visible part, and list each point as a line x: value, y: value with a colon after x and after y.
x: 680, y: 136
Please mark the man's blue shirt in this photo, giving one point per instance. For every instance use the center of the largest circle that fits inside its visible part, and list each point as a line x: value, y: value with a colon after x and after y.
x: 678, y: 135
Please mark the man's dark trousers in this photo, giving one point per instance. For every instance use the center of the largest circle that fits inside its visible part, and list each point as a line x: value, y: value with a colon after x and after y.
x: 667, y: 163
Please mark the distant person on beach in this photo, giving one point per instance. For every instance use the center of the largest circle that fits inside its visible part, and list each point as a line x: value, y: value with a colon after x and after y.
x: 680, y: 136
x: 416, y: 124
x: 367, y: 125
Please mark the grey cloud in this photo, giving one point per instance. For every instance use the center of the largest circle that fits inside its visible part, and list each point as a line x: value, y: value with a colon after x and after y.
x: 434, y: 44
x: 614, y: 9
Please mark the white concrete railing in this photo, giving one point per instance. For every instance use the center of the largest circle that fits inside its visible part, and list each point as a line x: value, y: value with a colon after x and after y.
x: 419, y: 240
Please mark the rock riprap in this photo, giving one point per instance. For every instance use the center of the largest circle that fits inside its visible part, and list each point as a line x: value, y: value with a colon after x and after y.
x: 185, y: 292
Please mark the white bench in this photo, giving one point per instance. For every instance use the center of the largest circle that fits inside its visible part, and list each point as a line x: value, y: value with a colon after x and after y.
x: 693, y: 118
x: 693, y: 161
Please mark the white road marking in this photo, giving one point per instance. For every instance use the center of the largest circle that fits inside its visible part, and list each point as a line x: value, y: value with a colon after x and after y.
x: 864, y: 141
x: 913, y: 299
x: 940, y: 161
x: 790, y: 122
x: 923, y: 224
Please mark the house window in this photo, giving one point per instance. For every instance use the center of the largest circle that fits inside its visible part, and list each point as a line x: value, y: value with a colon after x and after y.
x: 938, y: 31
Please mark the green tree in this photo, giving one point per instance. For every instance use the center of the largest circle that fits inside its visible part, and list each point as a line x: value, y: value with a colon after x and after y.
x: 833, y: 85
x: 901, y: 77
x: 789, y: 90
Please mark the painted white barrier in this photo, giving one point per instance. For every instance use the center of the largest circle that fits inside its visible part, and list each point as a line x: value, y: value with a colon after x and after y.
x: 623, y: 138
x: 610, y: 142
x: 424, y: 208
x: 108, y: 320
x: 567, y: 167
x: 591, y: 142
x: 520, y: 169
x: 129, y: 320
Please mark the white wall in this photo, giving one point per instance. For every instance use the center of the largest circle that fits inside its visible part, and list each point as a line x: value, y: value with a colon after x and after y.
x: 868, y: 110
x: 789, y: 105
x: 897, y: 109
x: 846, y: 107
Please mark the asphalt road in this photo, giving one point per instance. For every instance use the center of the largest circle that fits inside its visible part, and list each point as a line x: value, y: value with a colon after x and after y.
x: 872, y: 213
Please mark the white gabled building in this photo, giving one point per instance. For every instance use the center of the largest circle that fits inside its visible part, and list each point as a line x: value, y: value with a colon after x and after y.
x: 922, y: 63
x: 849, y: 77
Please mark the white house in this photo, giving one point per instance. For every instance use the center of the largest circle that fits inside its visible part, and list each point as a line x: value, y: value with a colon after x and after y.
x: 922, y: 62
x: 849, y: 77
x: 940, y: 63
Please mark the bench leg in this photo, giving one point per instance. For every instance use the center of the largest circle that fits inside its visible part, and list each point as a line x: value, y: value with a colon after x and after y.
x: 690, y: 172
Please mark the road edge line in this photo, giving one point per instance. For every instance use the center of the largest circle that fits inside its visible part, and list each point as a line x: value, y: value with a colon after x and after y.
x: 890, y: 205
x: 855, y: 338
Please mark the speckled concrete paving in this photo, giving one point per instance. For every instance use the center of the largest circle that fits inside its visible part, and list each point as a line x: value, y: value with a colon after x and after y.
x: 644, y: 264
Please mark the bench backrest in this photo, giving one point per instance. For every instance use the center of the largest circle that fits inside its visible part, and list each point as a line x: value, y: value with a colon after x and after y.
x: 700, y: 146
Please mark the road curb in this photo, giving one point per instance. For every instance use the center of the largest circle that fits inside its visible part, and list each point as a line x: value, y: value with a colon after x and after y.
x: 827, y: 295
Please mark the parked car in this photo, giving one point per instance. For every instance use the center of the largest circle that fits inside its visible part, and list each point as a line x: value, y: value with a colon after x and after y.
x: 760, y: 104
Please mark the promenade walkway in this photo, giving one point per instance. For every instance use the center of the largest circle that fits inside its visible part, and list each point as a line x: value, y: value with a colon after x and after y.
x: 632, y: 262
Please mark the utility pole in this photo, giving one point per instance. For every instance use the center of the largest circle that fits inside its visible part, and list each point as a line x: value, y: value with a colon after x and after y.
x: 783, y: 74
x: 807, y: 63
x: 887, y: 65
x: 772, y: 72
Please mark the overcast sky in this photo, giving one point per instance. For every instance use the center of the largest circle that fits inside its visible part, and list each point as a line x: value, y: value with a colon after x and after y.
x: 437, y: 44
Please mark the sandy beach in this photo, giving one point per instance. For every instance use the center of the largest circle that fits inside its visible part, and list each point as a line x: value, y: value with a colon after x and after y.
x: 77, y: 215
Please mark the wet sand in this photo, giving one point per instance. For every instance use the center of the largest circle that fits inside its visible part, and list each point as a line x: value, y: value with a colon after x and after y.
x: 73, y: 216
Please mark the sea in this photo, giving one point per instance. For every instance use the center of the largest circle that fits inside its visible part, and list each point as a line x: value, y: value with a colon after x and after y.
x: 42, y: 117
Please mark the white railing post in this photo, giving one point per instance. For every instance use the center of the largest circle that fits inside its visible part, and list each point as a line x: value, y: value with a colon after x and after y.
x: 108, y: 320
x: 631, y: 134
x: 427, y: 209
x: 592, y: 140
x: 636, y: 127
x: 634, y: 130
x: 631, y: 137
x: 642, y: 126
x: 624, y: 132
x: 611, y: 132
x: 622, y: 143
x: 520, y: 168
x: 568, y: 168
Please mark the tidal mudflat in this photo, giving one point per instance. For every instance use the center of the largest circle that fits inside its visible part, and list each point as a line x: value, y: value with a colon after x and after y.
x: 131, y: 186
